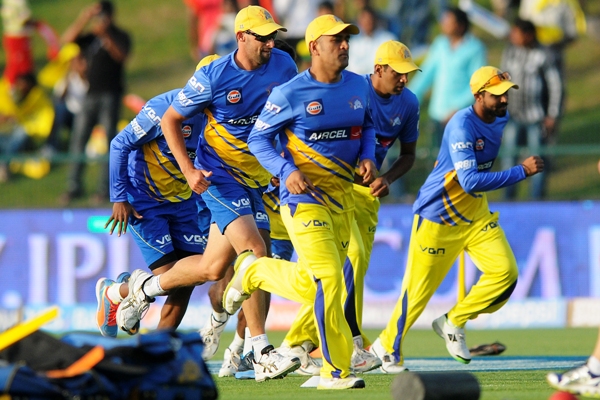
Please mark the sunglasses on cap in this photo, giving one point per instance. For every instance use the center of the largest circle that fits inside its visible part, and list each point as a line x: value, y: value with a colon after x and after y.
x: 495, y: 80
x: 263, y: 39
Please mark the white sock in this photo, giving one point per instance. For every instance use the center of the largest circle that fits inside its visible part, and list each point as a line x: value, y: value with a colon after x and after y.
x: 114, y: 294
x: 247, y: 342
x: 259, y: 343
x: 152, y: 287
x: 237, y: 344
x: 594, y: 365
x: 220, y: 317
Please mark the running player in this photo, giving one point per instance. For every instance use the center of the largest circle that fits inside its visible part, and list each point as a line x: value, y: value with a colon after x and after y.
x: 452, y: 215
x: 231, y: 92
x: 395, y: 113
x: 153, y: 200
x: 321, y: 120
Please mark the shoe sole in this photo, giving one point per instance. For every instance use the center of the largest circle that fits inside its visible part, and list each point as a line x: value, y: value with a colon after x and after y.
x: 440, y: 333
x: 100, y: 302
x: 280, y: 374
x: 359, y: 384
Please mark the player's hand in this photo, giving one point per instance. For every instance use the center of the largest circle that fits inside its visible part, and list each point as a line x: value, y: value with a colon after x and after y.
x: 120, y: 217
x: 298, y: 183
x: 275, y: 181
x: 91, y: 11
x: 368, y: 171
x: 533, y: 165
x: 380, y: 187
x: 196, y: 179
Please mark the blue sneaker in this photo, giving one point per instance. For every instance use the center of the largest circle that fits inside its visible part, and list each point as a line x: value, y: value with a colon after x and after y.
x: 123, y: 277
x: 246, y: 368
x: 106, y: 314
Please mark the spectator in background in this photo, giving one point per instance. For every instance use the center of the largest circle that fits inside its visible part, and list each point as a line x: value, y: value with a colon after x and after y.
x: 26, y: 116
x: 225, y: 41
x: 411, y: 20
x: 295, y: 15
x: 452, y: 58
x: 558, y: 23
x: 19, y: 28
x: 105, y: 49
x: 365, y: 44
x: 68, y: 97
x: 203, y: 24
x: 536, y: 107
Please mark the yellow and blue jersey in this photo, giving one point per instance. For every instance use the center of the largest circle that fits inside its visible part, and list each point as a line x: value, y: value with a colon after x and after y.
x: 454, y: 192
x: 142, y: 168
x: 394, y: 118
x: 232, y: 98
x: 324, y: 130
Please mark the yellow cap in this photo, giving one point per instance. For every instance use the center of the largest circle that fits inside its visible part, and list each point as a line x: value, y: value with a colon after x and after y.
x: 257, y: 20
x: 492, y: 80
x: 327, y: 25
x: 397, y: 56
x: 207, y: 60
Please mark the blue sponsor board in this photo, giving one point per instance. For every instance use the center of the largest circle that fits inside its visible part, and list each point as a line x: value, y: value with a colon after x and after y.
x: 56, y: 256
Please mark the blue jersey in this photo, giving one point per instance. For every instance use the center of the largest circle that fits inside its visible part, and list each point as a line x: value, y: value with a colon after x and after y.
x: 454, y: 192
x: 324, y: 130
x: 396, y: 117
x: 232, y: 98
x: 142, y: 167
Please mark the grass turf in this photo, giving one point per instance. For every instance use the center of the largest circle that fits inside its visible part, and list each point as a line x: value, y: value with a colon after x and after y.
x: 503, y: 385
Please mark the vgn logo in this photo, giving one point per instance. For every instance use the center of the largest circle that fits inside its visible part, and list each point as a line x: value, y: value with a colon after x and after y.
x: 314, y: 108
x: 234, y: 97
x: 241, y: 203
x: 433, y: 251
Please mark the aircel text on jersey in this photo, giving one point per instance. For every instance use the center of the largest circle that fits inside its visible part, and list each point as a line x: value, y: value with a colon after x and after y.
x: 329, y: 135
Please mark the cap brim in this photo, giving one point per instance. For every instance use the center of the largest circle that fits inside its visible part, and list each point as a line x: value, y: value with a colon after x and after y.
x: 267, y: 29
x: 404, y: 67
x: 350, y: 28
x: 501, y: 88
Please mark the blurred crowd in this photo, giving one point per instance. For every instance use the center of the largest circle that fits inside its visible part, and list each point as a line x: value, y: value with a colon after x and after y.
x: 74, y: 102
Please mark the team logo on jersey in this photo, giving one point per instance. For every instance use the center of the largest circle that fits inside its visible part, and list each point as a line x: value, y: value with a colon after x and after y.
x: 484, y: 166
x: 186, y: 130
x: 355, y: 103
x: 314, y: 108
x: 396, y: 121
x: 234, y: 97
x: 479, y: 144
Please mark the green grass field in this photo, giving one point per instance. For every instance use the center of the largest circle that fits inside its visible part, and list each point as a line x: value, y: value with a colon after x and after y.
x: 503, y: 385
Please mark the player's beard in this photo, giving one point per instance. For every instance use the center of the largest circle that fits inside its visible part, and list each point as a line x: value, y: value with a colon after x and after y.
x: 264, y: 57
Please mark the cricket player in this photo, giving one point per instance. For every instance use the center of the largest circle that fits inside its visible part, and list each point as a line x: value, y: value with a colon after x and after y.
x: 395, y: 113
x: 153, y: 200
x: 321, y: 120
x: 452, y: 215
x: 231, y: 92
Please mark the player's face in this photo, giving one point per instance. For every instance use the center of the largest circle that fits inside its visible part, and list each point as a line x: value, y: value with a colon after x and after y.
x: 495, y: 105
x: 393, y: 82
x: 333, y: 50
x: 259, y: 47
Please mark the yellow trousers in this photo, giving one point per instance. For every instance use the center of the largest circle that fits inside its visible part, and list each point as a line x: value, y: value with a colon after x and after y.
x: 433, y: 249
x: 321, y: 238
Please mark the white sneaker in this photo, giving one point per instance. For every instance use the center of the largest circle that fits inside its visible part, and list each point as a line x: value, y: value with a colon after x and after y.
x: 579, y: 380
x: 388, y: 361
x: 271, y: 365
x: 211, y: 334
x: 362, y: 360
x: 309, y: 366
x: 234, y: 295
x: 231, y: 362
x: 349, y: 382
x: 455, y: 339
x: 133, y: 307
